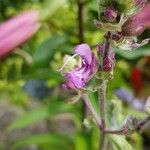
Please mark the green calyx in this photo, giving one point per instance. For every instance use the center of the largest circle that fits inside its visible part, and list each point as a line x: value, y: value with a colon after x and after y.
x: 122, y: 6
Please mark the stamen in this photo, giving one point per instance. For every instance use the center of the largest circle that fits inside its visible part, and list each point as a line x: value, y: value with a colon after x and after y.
x: 69, y: 59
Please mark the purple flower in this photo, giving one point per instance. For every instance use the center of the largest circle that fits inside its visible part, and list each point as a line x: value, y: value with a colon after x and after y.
x: 124, y: 94
x: 79, y: 77
x: 17, y: 30
x: 128, y: 96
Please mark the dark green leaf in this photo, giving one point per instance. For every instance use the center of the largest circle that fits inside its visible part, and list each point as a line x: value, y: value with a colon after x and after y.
x: 143, y: 51
x: 44, y: 53
x: 44, y: 74
x: 39, y: 114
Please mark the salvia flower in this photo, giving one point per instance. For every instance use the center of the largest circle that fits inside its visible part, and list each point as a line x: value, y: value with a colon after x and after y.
x: 17, y: 30
x: 80, y: 76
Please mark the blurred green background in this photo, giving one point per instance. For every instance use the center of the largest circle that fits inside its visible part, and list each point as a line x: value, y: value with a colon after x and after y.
x: 33, y: 115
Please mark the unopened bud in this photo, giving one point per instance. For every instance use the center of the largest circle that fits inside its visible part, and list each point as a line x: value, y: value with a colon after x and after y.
x: 132, y: 27
x: 109, y: 15
x: 109, y: 61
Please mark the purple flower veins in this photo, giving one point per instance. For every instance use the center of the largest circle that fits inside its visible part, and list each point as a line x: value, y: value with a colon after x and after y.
x: 79, y: 76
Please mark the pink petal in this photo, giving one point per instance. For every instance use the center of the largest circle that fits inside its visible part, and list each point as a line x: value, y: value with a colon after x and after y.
x: 85, y: 52
x: 17, y: 30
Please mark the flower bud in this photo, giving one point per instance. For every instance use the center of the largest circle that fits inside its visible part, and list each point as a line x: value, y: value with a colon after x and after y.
x: 107, y: 53
x: 108, y: 62
x: 122, y: 7
x: 109, y: 15
x: 132, y: 27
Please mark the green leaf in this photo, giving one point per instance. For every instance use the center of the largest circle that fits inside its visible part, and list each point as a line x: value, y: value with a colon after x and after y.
x: 80, y: 142
x: 43, y: 74
x: 143, y: 51
x: 94, y: 100
x: 51, y: 139
x: 30, y: 118
x: 44, y: 53
x: 39, y: 114
x: 120, y: 143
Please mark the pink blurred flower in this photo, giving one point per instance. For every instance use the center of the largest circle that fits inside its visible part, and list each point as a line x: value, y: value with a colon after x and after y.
x: 144, y: 15
x: 17, y: 30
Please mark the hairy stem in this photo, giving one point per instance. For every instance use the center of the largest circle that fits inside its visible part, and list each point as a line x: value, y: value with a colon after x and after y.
x: 102, y: 95
x: 89, y: 106
x: 102, y: 99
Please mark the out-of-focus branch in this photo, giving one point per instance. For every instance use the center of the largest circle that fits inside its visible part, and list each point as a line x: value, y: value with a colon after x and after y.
x: 137, y: 126
x: 80, y: 4
x: 142, y: 123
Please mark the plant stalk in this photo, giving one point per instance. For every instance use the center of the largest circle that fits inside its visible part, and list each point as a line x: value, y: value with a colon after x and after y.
x: 102, y: 99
